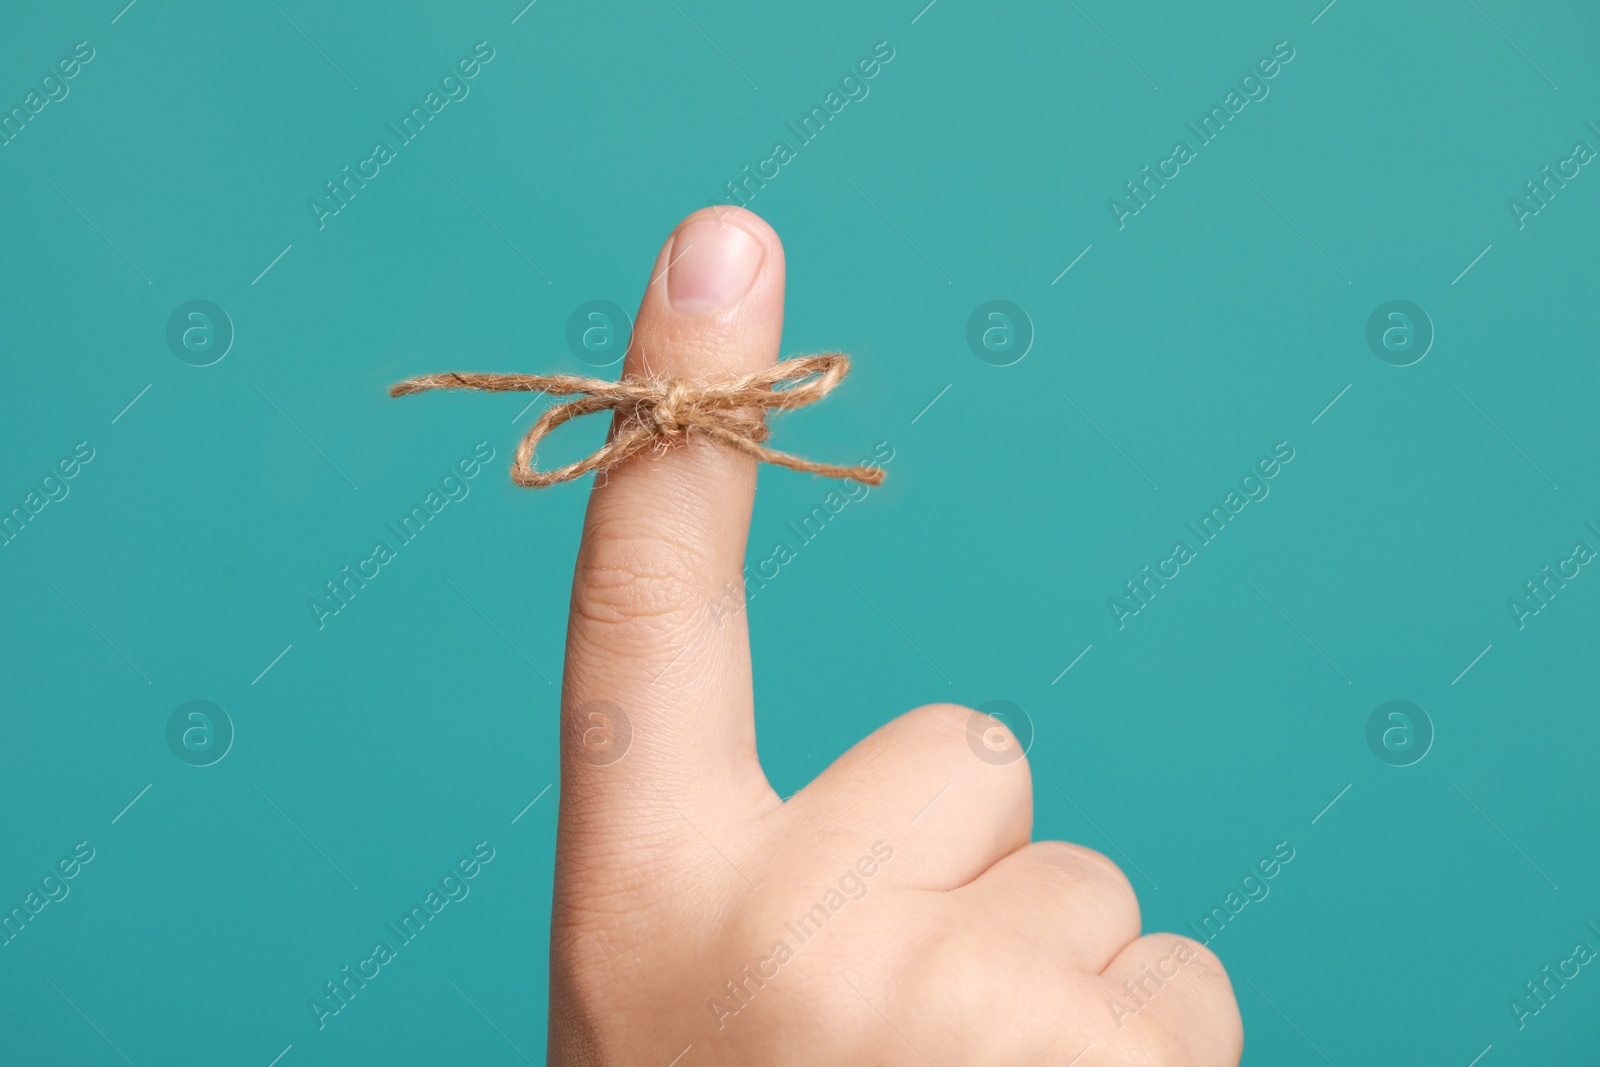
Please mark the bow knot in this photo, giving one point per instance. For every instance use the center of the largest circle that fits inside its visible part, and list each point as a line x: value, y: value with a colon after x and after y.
x: 662, y: 412
x: 674, y: 412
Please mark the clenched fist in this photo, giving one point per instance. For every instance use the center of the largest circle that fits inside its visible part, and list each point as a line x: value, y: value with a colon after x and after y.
x: 894, y: 911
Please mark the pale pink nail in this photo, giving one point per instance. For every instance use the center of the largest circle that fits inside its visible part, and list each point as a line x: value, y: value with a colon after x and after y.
x: 712, y: 266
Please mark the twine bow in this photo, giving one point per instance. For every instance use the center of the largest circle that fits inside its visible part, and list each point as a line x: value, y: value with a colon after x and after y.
x: 660, y: 412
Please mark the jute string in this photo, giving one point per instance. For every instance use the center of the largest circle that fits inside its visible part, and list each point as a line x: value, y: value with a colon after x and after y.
x: 657, y: 413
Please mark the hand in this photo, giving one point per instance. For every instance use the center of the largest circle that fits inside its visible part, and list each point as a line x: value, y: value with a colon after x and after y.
x: 699, y: 916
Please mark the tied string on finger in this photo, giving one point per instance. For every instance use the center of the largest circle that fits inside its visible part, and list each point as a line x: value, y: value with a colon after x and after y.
x: 657, y: 413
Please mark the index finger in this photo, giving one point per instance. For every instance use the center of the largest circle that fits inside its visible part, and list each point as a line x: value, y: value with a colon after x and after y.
x: 657, y: 700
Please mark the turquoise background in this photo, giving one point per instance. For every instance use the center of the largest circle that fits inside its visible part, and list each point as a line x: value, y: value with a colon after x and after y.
x: 1223, y: 719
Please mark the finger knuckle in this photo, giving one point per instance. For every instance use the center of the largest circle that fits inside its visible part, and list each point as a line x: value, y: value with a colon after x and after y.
x: 1082, y: 873
x: 1205, y: 962
x: 634, y: 580
x: 1079, y: 864
x: 961, y: 732
x: 936, y: 723
x: 1204, y: 994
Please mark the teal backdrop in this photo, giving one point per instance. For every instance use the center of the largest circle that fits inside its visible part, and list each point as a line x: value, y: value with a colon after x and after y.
x: 180, y: 480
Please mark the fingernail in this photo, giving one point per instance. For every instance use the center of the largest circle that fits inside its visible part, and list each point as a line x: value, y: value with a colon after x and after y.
x: 712, y: 266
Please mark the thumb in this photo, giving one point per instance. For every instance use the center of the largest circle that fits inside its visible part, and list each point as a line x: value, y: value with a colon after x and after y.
x: 657, y: 647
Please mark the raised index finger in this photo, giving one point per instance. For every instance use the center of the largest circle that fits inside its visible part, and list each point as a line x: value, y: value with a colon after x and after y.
x: 657, y: 709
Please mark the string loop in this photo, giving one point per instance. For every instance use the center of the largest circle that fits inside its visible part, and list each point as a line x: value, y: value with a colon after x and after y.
x: 662, y: 412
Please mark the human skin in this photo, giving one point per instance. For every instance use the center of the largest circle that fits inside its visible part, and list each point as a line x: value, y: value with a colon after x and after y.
x: 679, y: 870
